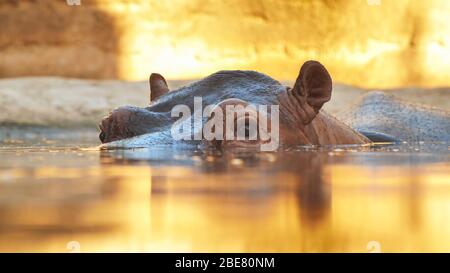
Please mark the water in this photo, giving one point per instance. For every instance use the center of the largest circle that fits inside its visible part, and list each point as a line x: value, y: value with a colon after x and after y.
x: 60, y: 193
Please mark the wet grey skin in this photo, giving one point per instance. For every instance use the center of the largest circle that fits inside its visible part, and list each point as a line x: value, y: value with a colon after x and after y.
x: 250, y: 86
x: 378, y: 116
x: 382, y: 117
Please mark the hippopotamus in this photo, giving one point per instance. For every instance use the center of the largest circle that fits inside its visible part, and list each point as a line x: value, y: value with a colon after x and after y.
x: 301, y: 119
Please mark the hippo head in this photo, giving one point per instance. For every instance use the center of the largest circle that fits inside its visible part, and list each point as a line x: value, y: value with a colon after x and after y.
x: 299, y: 106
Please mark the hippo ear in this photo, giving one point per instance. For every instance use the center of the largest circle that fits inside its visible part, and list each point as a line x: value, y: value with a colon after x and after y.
x: 158, y: 86
x: 314, y: 83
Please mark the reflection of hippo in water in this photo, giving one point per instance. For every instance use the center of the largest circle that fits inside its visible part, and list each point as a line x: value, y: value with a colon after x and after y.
x: 301, y: 120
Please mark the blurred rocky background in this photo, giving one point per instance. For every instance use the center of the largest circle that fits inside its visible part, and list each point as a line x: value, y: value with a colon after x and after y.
x: 366, y: 43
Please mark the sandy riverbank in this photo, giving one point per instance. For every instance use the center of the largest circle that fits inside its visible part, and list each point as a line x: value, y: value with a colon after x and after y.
x: 65, y: 102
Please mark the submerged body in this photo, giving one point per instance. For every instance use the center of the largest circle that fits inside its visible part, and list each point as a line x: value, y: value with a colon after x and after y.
x: 383, y: 117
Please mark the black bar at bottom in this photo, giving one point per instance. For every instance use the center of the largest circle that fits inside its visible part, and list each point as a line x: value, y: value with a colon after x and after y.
x: 226, y: 262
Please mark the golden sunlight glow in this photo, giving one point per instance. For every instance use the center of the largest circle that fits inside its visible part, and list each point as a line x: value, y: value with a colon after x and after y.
x: 394, y: 44
x: 397, y: 43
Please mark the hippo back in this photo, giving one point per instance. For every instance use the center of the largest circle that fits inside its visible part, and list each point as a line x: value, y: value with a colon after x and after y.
x: 383, y: 117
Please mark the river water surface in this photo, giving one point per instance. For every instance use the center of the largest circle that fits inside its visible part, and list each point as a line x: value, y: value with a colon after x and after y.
x: 60, y: 193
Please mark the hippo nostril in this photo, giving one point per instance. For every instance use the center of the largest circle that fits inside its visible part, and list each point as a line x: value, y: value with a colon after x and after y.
x: 102, y: 136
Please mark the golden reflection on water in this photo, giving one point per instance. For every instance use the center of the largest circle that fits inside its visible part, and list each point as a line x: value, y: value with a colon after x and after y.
x: 298, y: 201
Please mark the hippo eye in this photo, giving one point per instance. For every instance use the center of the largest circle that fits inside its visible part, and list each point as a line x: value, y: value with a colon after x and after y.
x: 102, y: 136
x: 247, y: 131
